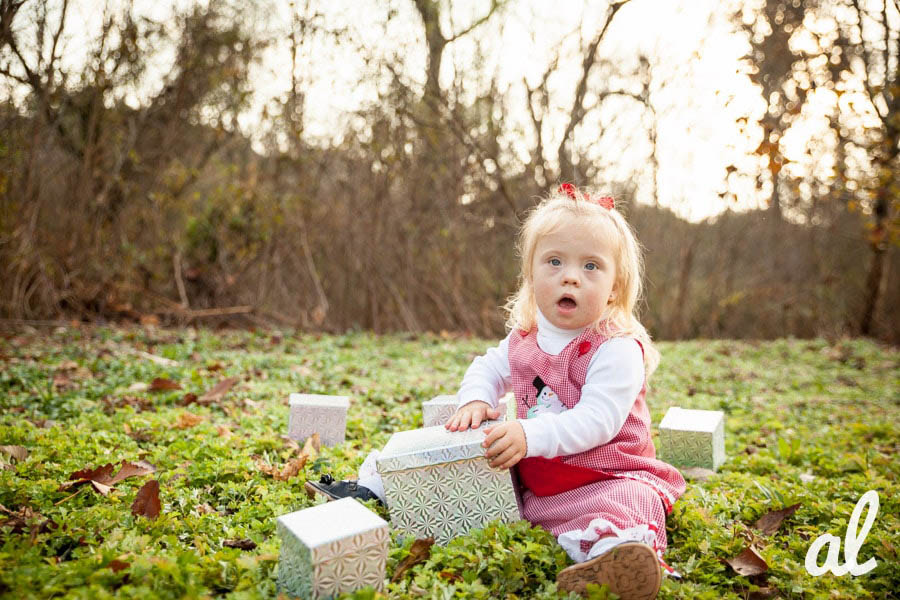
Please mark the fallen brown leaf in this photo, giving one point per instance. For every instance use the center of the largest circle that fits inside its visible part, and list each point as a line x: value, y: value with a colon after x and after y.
x: 62, y: 382
x: 188, y: 399
x: 450, y: 575
x: 160, y: 384
x: 290, y: 468
x: 418, y: 553
x: 748, y: 563
x: 312, y: 445
x: 140, y: 435
x: 771, y: 521
x: 101, y: 474
x: 146, y: 502
x: 205, y: 509
x: 130, y: 469
x: 118, y: 565
x: 103, y: 489
x: 290, y: 443
x: 243, y: 544
x: 218, y: 391
x: 17, y: 452
x: 187, y: 420
x: 223, y: 431
x: 102, y: 479
x: 138, y: 403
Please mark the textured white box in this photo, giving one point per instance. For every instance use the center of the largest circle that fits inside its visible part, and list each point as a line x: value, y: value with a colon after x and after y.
x: 325, y: 415
x: 439, y: 484
x: 439, y: 409
x: 693, y: 438
x: 330, y: 549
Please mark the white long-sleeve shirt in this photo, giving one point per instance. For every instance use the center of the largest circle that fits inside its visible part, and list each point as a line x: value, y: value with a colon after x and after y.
x: 614, y: 378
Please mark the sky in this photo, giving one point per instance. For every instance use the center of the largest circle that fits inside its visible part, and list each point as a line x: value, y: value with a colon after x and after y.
x: 694, y: 47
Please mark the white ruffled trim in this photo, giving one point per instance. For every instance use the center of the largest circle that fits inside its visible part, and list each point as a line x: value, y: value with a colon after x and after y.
x: 369, y: 477
x: 571, y: 540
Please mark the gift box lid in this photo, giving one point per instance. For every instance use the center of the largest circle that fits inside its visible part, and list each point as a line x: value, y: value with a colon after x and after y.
x: 445, y: 400
x: 705, y: 421
x: 452, y: 400
x: 320, y: 400
x: 321, y: 526
x: 431, y: 446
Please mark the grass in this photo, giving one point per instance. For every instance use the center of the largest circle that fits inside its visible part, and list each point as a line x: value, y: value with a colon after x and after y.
x: 807, y: 422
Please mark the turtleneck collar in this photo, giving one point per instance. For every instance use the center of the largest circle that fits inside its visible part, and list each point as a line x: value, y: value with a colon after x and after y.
x: 552, y: 339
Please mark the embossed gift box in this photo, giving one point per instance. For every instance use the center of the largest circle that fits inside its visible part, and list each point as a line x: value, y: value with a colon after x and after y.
x: 330, y: 549
x: 439, y: 484
x: 693, y: 438
x: 325, y: 415
x: 439, y: 409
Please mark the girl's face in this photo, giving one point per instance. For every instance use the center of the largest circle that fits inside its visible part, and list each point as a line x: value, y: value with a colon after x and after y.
x: 574, y: 276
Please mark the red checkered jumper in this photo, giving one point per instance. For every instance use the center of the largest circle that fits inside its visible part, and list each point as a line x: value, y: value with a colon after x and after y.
x: 637, y: 491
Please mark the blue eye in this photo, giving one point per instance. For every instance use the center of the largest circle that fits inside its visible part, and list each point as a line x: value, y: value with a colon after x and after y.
x: 591, y: 266
x: 555, y: 262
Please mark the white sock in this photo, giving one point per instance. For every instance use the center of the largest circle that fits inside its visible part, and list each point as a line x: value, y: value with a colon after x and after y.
x: 369, y: 477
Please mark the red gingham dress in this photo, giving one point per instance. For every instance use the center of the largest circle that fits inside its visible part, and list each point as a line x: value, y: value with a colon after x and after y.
x: 635, y: 491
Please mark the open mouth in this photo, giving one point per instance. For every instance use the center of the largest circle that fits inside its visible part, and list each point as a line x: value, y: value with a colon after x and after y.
x: 566, y: 303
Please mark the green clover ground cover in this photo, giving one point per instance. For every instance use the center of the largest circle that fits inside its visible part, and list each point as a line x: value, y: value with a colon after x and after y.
x: 807, y: 422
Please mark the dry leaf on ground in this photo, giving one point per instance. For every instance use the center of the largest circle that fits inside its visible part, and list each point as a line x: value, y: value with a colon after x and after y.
x: 771, y: 521
x: 218, y: 391
x: 418, y: 553
x: 242, y: 544
x: 312, y: 445
x: 290, y: 468
x: 18, y: 520
x: 101, y: 474
x: 118, y: 565
x: 160, y: 384
x: 17, y: 452
x: 188, y: 399
x: 205, y: 509
x: 102, y: 488
x: 146, y: 502
x: 187, y: 420
x: 132, y: 469
x: 290, y: 443
x: 102, y: 479
x: 748, y: 563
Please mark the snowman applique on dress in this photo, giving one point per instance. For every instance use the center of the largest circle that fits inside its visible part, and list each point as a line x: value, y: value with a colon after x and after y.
x: 545, y: 400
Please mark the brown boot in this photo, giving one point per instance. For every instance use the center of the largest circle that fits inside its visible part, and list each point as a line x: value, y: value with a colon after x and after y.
x: 630, y: 569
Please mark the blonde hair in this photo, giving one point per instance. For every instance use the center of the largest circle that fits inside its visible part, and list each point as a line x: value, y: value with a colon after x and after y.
x: 620, y: 318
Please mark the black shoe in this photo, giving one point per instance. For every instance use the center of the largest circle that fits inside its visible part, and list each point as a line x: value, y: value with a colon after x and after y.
x: 335, y: 490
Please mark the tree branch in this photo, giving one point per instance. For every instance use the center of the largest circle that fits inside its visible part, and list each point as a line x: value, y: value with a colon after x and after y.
x: 577, y: 113
x: 494, y: 6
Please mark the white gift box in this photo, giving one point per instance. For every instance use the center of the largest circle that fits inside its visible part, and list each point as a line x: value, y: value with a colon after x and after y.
x: 439, y: 484
x: 330, y: 549
x: 439, y: 409
x: 693, y: 438
x: 325, y: 415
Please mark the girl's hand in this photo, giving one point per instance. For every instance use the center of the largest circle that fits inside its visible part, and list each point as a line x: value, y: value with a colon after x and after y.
x: 472, y: 414
x: 505, y: 444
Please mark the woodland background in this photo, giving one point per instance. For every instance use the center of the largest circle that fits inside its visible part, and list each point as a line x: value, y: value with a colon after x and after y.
x: 165, y: 210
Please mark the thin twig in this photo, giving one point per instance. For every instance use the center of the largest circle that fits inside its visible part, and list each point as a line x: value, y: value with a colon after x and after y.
x: 179, y: 282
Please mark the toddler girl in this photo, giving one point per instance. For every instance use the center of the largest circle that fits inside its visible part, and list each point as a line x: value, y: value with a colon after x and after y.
x: 578, y: 361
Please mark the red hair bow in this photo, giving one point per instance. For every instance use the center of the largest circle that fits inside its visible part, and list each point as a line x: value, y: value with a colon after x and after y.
x: 569, y: 190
